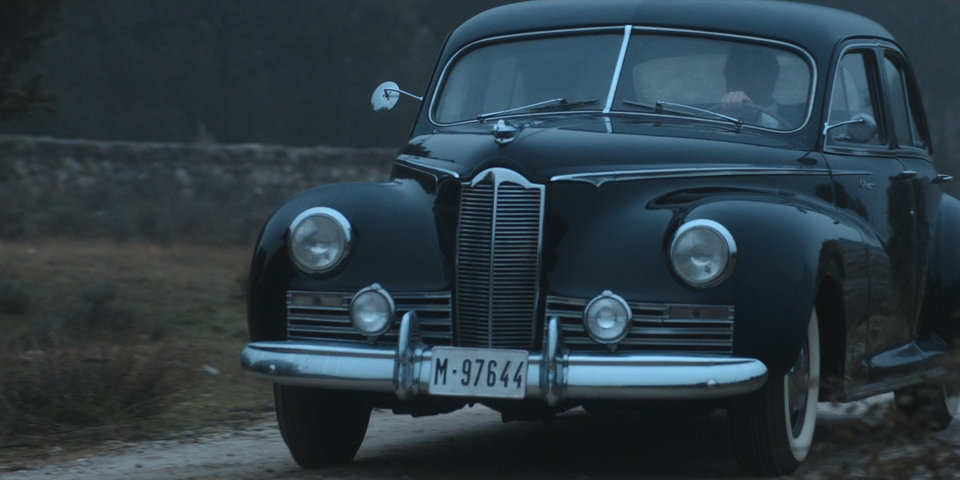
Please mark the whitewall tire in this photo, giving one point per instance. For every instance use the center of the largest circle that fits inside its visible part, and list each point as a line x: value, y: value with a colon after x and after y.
x: 773, y: 427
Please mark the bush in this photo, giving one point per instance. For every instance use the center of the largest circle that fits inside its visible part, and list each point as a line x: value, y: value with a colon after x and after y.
x: 99, y: 308
x: 60, y: 388
x: 14, y: 298
x: 90, y: 363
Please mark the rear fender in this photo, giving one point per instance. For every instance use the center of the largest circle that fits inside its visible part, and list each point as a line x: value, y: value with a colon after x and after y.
x: 941, y: 307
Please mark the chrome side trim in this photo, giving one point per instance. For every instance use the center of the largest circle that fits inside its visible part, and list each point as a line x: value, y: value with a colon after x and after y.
x: 599, y: 178
x: 416, y: 163
x: 852, y: 172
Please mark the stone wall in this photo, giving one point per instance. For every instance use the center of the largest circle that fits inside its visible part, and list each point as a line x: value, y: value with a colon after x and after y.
x: 161, y: 192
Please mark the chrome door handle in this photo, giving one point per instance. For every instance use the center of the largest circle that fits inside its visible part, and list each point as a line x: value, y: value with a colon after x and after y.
x: 941, y: 178
x: 904, y: 175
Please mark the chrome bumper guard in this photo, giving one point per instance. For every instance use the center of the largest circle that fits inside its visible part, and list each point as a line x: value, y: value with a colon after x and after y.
x: 553, y: 375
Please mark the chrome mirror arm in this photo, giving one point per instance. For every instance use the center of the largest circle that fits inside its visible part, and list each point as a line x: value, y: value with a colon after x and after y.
x: 827, y: 127
x: 386, y: 95
x: 397, y: 90
x: 862, y: 127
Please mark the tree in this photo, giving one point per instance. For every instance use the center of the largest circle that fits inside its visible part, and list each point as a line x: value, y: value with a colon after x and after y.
x: 23, y: 27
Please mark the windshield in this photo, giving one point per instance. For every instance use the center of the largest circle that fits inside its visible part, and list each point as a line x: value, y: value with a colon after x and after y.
x: 754, y: 83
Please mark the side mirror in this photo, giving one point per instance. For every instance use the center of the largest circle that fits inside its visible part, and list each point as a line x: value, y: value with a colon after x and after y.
x: 861, y: 128
x: 386, y: 95
x: 864, y: 128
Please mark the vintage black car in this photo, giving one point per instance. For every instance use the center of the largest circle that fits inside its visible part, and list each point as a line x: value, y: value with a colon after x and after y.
x: 611, y: 203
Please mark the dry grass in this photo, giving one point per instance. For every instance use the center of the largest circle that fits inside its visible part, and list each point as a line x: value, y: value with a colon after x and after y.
x: 63, y: 387
x: 116, y: 341
x: 119, y: 341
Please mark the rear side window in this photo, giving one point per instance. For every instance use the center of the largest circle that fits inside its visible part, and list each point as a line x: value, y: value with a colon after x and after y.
x: 906, y: 130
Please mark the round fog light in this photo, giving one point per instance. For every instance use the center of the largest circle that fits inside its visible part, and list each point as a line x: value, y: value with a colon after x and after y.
x: 372, y: 310
x: 607, y: 318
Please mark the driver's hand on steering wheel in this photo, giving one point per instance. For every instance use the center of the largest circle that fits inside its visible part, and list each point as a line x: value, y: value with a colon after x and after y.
x: 735, y: 100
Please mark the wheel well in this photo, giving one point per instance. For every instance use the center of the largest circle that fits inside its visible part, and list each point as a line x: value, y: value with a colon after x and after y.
x: 830, y: 313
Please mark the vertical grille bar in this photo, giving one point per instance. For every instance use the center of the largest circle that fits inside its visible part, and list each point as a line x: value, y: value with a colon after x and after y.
x: 498, y: 260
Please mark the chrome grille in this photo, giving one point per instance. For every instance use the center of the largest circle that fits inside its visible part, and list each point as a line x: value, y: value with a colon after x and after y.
x: 498, y: 252
x: 657, y: 328
x: 326, y: 316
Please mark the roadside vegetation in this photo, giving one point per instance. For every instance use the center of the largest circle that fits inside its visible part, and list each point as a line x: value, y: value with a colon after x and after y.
x: 118, y: 342
x: 909, y: 449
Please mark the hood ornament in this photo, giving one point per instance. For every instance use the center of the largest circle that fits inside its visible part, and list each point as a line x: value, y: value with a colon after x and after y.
x: 503, y: 132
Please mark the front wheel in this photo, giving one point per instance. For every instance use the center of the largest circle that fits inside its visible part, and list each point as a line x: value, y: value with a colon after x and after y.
x: 321, y: 427
x: 773, y: 427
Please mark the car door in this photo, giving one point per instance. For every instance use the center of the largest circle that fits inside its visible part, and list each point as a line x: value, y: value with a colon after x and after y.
x: 912, y: 145
x: 873, y: 190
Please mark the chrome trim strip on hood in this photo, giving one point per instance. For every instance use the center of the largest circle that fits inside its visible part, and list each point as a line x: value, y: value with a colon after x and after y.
x: 599, y: 178
x: 416, y: 163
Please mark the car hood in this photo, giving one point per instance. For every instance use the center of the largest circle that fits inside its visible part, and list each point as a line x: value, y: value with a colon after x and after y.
x: 541, y: 151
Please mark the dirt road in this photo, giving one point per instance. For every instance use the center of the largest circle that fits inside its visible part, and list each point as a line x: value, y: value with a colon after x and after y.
x: 473, y: 443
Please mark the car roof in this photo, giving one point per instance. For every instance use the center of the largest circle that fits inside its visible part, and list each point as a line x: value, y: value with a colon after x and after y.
x: 815, y: 28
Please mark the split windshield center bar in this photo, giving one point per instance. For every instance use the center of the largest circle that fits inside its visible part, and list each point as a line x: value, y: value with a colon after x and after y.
x: 616, y: 72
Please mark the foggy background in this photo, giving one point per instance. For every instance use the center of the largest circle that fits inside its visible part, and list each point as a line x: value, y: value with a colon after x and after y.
x: 300, y: 72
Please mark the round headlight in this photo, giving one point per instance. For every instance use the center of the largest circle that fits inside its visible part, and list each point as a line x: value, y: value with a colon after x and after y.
x: 703, y: 253
x: 319, y: 239
x: 607, y: 318
x: 372, y: 310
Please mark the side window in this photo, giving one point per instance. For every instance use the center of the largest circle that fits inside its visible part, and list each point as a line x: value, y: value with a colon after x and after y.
x: 853, y: 96
x: 904, y: 121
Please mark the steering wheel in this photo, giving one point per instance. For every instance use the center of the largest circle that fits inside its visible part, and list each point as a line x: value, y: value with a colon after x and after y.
x: 783, y: 123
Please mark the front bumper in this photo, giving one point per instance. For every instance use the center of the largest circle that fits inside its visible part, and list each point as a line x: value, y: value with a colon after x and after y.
x: 552, y: 375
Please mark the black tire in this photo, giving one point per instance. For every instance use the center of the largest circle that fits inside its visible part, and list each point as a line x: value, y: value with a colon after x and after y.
x: 321, y: 427
x: 930, y: 405
x: 772, y: 428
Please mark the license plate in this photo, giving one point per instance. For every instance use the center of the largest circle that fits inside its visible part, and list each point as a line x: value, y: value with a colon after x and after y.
x: 478, y: 372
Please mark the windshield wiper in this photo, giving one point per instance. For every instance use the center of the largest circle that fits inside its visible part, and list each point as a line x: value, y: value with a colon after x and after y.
x: 552, y: 104
x: 690, y: 110
x: 565, y: 104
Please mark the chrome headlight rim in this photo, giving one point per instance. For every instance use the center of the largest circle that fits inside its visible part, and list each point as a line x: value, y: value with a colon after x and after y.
x: 345, y: 233
x: 730, y: 257
x: 390, y: 316
x: 607, y: 295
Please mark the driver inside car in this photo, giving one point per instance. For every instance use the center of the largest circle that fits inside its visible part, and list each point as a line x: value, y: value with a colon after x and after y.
x: 751, y: 75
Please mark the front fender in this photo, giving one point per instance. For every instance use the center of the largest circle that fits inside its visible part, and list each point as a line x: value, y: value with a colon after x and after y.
x: 396, y: 243
x: 783, y: 252
x: 617, y: 238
